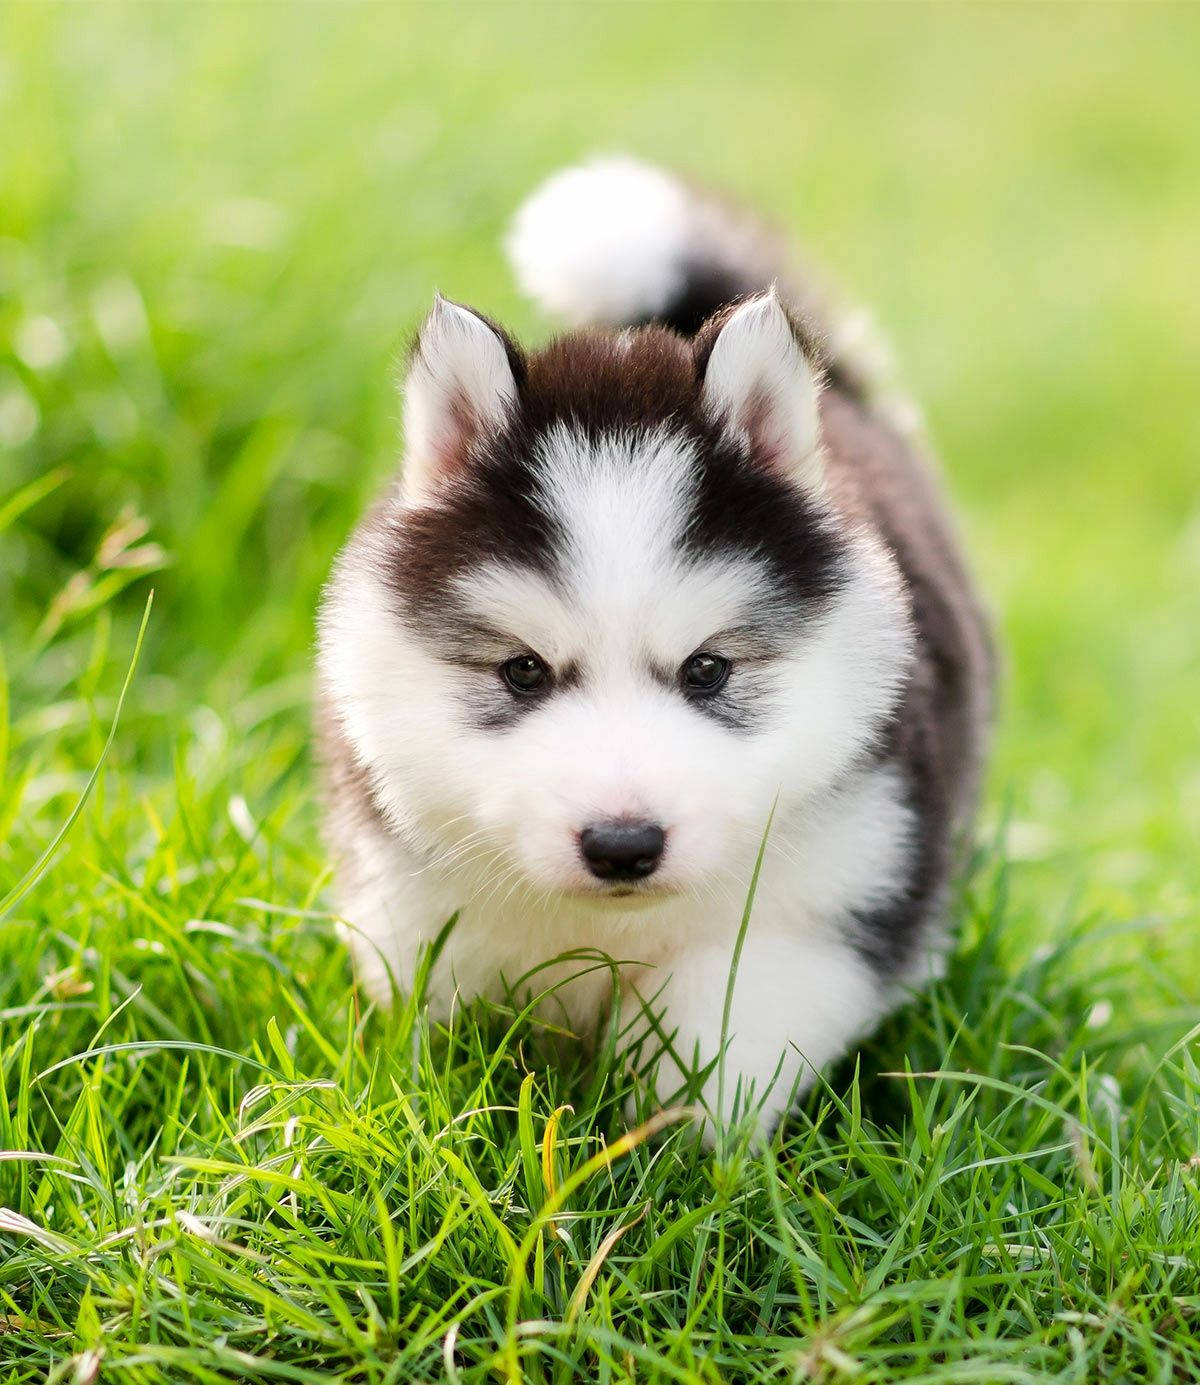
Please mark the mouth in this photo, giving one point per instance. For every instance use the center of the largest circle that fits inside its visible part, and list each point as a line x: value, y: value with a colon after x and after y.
x: 625, y: 893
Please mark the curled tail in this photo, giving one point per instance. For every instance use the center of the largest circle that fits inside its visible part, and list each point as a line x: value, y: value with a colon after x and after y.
x: 615, y: 242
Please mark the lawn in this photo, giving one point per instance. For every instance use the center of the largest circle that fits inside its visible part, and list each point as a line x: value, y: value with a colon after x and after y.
x: 218, y: 226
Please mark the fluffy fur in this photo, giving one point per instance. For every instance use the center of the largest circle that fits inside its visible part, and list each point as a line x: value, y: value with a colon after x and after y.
x: 718, y: 484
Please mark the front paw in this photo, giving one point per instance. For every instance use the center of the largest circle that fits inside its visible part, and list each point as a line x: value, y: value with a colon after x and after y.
x: 664, y: 1092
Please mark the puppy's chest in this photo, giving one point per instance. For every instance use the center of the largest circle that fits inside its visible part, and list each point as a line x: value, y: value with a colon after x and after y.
x: 572, y: 967
x: 845, y: 855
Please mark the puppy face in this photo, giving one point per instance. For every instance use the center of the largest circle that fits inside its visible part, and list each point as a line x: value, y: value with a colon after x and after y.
x: 609, y: 619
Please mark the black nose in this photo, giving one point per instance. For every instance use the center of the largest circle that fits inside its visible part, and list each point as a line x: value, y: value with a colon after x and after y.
x: 622, y: 850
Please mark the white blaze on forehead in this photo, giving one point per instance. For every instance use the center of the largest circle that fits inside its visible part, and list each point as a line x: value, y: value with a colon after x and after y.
x: 622, y: 500
x: 620, y: 582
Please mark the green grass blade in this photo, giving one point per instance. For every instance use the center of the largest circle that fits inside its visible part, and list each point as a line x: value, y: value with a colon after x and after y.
x: 42, y: 864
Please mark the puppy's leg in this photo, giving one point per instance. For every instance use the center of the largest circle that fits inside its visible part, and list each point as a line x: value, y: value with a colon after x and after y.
x: 798, y: 1003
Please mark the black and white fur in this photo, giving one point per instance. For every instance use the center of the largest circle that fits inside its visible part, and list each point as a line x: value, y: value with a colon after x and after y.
x: 698, y: 470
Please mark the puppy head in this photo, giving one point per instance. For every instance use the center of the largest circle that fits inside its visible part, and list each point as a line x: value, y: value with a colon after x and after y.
x: 609, y: 617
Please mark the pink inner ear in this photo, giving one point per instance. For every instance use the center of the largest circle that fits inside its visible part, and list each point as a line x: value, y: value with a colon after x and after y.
x: 458, y: 434
x: 768, y: 441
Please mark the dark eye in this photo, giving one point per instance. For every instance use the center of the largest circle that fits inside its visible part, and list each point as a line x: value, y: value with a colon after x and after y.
x: 704, y: 673
x: 525, y: 674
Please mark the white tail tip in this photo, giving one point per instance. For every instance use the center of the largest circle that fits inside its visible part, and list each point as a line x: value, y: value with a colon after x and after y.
x: 603, y: 242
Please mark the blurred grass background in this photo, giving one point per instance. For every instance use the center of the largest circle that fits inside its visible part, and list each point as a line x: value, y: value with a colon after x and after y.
x: 219, y: 224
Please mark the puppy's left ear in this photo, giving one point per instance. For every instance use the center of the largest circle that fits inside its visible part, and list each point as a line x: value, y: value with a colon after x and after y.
x: 461, y: 386
x: 759, y: 384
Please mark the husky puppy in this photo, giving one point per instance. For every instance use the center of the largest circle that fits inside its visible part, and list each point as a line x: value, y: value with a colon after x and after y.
x: 632, y: 594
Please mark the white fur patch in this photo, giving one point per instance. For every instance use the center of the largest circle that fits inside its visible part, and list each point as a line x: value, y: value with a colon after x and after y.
x: 603, y: 242
x: 799, y: 1001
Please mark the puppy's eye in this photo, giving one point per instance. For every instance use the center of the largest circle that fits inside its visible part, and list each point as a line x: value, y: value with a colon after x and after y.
x: 704, y: 673
x: 525, y: 674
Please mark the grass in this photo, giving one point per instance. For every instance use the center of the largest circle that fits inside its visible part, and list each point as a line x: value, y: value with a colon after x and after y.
x: 218, y: 226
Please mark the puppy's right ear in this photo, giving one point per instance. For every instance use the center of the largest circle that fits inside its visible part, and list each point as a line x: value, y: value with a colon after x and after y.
x: 460, y: 388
